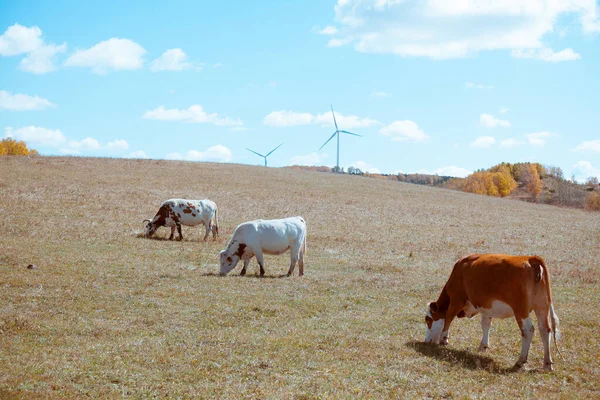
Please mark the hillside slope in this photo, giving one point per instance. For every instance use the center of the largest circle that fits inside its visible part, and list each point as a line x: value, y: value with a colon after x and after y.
x: 108, y: 312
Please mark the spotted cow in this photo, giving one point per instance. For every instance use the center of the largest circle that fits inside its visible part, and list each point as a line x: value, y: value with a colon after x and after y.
x: 176, y: 212
x: 275, y: 236
x: 496, y: 286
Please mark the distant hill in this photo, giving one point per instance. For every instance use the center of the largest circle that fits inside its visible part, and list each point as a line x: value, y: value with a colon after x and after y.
x: 530, y: 182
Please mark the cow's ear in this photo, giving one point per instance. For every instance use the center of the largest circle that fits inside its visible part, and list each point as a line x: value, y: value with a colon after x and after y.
x: 229, y: 259
x: 433, y: 307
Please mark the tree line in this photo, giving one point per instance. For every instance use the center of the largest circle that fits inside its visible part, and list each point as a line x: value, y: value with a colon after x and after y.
x: 12, y: 147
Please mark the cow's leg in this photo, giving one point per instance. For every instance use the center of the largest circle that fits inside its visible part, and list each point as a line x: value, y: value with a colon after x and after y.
x: 453, y: 310
x: 293, y: 260
x: 215, y: 229
x: 486, y: 324
x: 527, y: 329
x: 179, y: 230
x: 246, y: 262
x: 261, y: 261
x: 544, y: 328
x: 172, y: 233
x: 207, y: 226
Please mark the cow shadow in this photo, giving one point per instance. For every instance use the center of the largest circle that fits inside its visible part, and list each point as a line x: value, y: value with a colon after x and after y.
x: 465, y: 358
x: 186, y: 239
x: 255, y: 276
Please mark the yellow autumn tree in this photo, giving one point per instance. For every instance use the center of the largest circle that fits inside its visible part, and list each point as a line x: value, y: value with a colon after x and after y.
x: 531, y: 180
x: 12, y: 147
x: 474, y: 183
x: 504, y: 182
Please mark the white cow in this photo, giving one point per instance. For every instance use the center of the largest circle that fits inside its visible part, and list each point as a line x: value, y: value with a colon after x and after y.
x: 176, y: 212
x: 275, y: 236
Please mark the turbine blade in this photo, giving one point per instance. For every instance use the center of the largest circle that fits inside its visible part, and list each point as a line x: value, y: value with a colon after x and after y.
x: 350, y: 133
x: 334, y: 133
x: 258, y: 154
x: 269, y: 153
x: 334, y: 121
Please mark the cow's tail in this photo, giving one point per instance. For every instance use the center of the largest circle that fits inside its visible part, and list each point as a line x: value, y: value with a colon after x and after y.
x: 304, y: 240
x: 217, y: 220
x: 304, y: 245
x: 544, y: 276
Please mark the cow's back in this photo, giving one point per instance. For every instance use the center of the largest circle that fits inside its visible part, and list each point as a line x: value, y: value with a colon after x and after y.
x: 485, y: 278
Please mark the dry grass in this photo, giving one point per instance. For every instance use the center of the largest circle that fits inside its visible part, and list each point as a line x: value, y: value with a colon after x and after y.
x: 110, y: 314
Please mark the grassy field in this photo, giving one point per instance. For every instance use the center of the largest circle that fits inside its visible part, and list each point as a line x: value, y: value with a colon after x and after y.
x: 108, y: 313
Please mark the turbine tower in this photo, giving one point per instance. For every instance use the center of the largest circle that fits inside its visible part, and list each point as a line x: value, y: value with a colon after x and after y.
x: 337, y: 132
x: 268, y: 154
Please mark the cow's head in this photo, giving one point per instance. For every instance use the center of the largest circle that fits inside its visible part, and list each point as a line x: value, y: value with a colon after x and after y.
x: 228, y: 262
x: 435, y: 323
x: 231, y: 256
x: 150, y: 228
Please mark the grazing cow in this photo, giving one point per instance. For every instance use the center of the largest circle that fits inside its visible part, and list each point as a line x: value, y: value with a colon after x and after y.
x: 255, y: 238
x: 497, y: 286
x: 176, y: 212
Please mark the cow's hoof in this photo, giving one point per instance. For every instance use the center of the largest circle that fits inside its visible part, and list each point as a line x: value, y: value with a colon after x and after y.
x: 548, y: 367
x: 518, y: 366
x: 483, y: 349
x: 243, y: 273
x: 288, y: 274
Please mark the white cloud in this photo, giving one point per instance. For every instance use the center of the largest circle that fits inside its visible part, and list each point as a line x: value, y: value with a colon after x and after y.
x: 39, y: 56
x: 490, y: 121
x: 76, y: 146
x: 217, y: 65
x: 591, y: 145
x: 19, y: 39
x: 216, y: 153
x: 36, y: 135
x: 22, y: 102
x: 404, y: 131
x: 41, y: 60
x: 471, y: 85
x: 112, y: 54
x: 364, y: 167
x: 503, y: 110
x: 328, y: 30
x: 539, y: 138
x: 583, y: 170
x: 291, y: 118
x: 137, y: 154
x: 85, y: 144
x: 313, y: 158
x: 119, y: 144
x: 380, y: 94
x: 194, y: 113
x: 450, y: 170
x: 288, y: 118
x: 483, y: 142
x: 510, y: 143
x: 337, y: 42
x: 441, y: 29
x: 171, y: 60
x: 344, y: 121
x: 546, y: 54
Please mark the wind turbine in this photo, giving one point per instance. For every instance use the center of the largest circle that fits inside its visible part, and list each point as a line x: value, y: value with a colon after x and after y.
x: 337, y: 132
x: 268, y: 154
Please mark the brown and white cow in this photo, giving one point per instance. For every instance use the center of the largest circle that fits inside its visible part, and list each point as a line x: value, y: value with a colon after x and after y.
x: 176, y: 212
x: 496, y: 286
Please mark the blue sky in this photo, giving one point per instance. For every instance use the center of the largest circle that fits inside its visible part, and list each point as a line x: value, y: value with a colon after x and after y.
x: 432, y: 86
